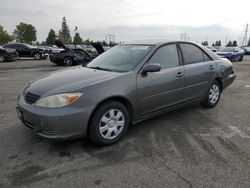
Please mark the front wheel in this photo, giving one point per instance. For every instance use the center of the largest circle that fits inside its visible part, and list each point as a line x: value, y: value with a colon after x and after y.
x: 37, y: 56
x: 109, y: 123
x: 213, y: 95
x: 67, y: 61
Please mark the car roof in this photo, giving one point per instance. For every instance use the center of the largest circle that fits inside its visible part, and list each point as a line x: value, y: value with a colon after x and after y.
x: 155, y: 42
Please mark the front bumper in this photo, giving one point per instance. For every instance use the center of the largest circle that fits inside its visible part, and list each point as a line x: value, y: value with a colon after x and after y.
x: 54, y: 59
x: 228, y: 80
x: 59, y: 123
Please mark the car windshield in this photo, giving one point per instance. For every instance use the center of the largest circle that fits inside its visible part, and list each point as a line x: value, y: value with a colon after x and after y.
x: 120, y: 58
x: 227, y: 50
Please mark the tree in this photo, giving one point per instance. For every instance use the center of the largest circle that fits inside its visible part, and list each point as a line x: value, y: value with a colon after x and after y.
x: 86, y: 42
x: 25, y: 33
x: 205, y: 43
x: 217, y: 43
x: 248, y: 44
x: 235, y: 43
x: 50, y: 40
x: 4, y: 36
x: 77, y: 39
x: 64, y: 33
x: 229, y: 44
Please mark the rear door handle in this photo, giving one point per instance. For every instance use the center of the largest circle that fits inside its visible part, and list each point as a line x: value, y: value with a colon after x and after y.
x: 179, y: 74
x: 211, y: 67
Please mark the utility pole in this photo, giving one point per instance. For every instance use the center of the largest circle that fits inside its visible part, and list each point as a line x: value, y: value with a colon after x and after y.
x: 244, y: 41
x: 226, y: 42
x: 184, y: 37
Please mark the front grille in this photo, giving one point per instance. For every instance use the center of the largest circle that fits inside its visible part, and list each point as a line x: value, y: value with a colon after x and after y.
x: 31, y: 98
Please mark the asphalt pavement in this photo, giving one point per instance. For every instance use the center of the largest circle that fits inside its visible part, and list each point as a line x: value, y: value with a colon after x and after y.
x: 190, y: 147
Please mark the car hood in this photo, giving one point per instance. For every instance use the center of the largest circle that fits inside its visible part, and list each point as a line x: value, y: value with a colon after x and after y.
x: 59, y: 44
x: 224, y: 53
x: 98, y: 47
x: 69, y: 80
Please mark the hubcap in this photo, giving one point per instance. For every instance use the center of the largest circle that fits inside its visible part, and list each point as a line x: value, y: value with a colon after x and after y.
x: 1, y: 58
x: 67, y: 62
x: 214, y: 93
x: 111, y: 124
x: 37, y: 56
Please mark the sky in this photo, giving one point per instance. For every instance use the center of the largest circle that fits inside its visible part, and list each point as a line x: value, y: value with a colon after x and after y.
x: 131, y: 20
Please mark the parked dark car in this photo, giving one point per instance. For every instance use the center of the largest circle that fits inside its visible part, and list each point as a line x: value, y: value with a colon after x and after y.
x: 8, y: 55
x: 247, y: 50
x: 126, y: 84
x: 231, y: 53
x: 70, y: 56
x: 26, y: 50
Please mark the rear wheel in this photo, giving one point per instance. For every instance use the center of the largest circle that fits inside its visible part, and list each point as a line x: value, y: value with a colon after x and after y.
x: 241, y: 58
x: 109, y: 123
x: 67, y: 61
x: 2, y: 59
x: 37, y: 56
x: 213, y: 95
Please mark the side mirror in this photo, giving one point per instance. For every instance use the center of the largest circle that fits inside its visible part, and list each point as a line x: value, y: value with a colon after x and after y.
x: 151, y: 68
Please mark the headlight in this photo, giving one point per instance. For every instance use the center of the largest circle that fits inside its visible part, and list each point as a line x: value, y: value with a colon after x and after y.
x: 60, y: 100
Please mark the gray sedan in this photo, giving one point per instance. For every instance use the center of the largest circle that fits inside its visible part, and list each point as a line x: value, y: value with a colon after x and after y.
x: 126, y: 84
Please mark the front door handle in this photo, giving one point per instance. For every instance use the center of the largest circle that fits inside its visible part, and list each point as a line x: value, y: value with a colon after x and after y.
x: 179, y: 74
x: 211, y: 67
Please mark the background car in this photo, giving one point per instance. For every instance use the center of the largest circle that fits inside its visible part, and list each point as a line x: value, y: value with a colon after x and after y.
x: 26, y: 50
x: 8, y: 55
x: 231, y: 53
x: 247, y: 50
x: 73, y: 56
x: 211, y: 48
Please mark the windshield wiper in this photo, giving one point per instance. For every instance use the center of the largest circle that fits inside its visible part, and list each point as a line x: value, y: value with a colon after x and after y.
x: 99, y: 68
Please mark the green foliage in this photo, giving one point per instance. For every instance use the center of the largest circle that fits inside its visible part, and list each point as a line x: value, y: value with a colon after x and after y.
x: 104, y: 43
x: 235, y: 43
x: 77, y: 39
x: 50, y: 40
x: 229, y: 44
x: 25, y: 33
x: 4, y: 36
x: 64, y: 33
x: 205, y: 43
x: 87, y: 42
x: 232, y: 43
x: 217, y: 43
x: 111, y: 44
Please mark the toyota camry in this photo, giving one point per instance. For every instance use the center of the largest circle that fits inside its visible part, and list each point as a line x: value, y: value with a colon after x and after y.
x: 124, y: 85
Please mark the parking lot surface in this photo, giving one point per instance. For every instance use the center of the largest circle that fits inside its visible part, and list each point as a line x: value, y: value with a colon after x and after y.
x: 190, y: 147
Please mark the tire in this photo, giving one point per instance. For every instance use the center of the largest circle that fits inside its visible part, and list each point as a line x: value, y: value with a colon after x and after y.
x: 2, y: 59
x: 67, y: 61
x: 37, y: 56
x: 241, y: 58
x: 109, y: 123
x: 213, y: 95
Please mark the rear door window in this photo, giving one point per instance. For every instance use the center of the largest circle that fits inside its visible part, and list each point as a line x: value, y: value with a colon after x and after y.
x: 191, y: 54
